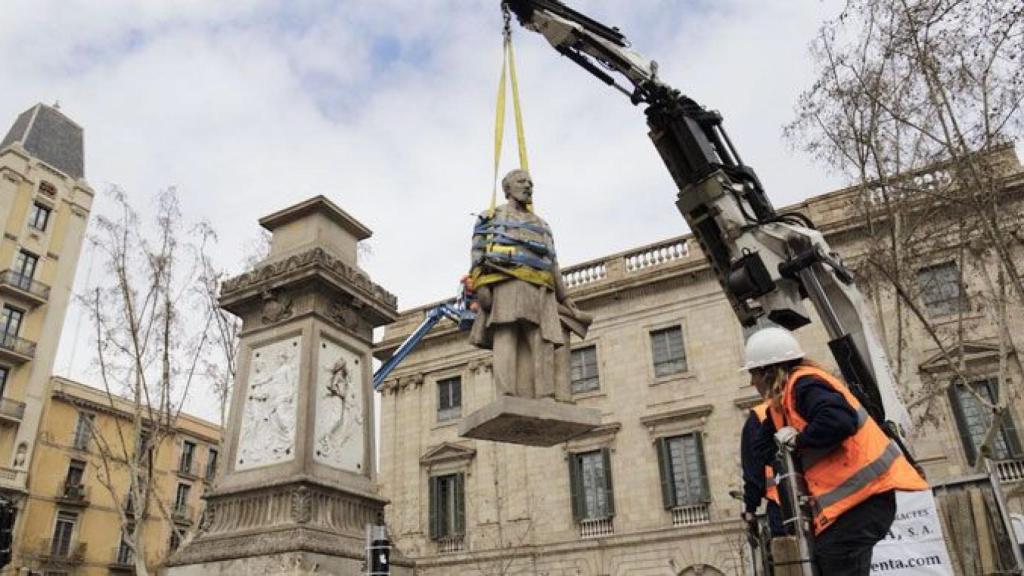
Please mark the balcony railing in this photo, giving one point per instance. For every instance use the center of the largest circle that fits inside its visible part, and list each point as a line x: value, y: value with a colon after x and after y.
x: 596, y: 528
x: 74, y: 494
x: 451, y: 544
x: 38, y: 291
x: 620, y: 266
x: 691, y: 514
x: 11, y: 410
x: 1010, y: 470
x: 63, y: 551
x: 18, y: 348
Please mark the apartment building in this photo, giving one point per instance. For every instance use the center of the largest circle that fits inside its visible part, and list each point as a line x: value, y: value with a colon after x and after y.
x: 71, y: 521
x: 44, y: 208
x: 649, y: 491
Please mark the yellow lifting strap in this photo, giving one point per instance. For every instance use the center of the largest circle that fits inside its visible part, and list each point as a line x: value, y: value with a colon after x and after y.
x: 508, y: 76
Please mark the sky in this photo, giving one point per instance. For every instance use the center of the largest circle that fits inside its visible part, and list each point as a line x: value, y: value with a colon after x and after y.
x: 387, y: 108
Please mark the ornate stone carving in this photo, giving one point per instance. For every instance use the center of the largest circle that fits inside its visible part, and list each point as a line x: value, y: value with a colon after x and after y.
x: 338, y: 439
x: 478, y: 365
x: 275, y: 309
x: 267, y: 434
x: 311, y: 258
x: 346, y: 314
x: 302, y: 505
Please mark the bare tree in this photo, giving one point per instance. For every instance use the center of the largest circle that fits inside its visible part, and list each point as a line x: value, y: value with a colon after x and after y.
x: 917, y: 101
x: 150, y: 345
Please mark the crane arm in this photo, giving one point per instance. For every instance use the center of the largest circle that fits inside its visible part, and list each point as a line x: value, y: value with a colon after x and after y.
x: 766, y: 262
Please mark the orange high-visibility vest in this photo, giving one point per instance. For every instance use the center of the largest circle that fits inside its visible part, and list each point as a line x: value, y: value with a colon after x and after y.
x: 771, y: 490
x: 865, y: 464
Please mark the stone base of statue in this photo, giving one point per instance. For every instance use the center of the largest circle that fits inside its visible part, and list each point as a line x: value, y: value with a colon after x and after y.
x: 530, y: 422
x: 290, y: 528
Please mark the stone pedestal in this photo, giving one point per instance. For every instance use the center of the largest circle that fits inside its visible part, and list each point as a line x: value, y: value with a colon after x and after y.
x: 529, y: 421
x: 297, y: 484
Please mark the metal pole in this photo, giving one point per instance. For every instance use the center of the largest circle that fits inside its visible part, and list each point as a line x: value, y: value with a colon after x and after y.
x: 796, y: 507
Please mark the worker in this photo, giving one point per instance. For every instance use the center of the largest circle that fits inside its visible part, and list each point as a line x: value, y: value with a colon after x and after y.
x: 851, y: 467
x: 518, y: 285
x: 756, y: 454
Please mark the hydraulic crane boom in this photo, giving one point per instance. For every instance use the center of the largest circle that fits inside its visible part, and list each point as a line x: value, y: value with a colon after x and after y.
x: 766, y: 262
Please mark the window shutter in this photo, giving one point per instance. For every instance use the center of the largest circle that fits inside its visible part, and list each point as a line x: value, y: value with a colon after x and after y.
x: 607, y: 461
x: 433, y: 504
x: 699, y: 446
x: 668, y: 487
x: 576, y: 487
x: 1008, y: 425
x: 961, y: 423
x: 460, y: 504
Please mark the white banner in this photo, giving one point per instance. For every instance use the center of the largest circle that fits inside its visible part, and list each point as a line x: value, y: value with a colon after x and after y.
x: 914, y: 546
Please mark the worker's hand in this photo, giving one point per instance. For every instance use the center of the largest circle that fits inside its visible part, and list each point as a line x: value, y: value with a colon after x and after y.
x: 787, y: 437
x: 749, y: 518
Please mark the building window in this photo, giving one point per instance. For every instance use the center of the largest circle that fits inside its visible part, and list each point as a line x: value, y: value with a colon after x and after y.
x: 39, y: 217
x: 684, y: 475
x: 590, y: 485
x: 125, y: 554
x: 188, y: 450
x: 973, y: 419
x: 63, y: 534
x: 211, y: 464
x: 940, y: 289
x: 668, y: 351
x: 449, y: 398
x: 10, y: 324
x: 24, y: 269
x: 181, y: 499
x: 447, y: 506
x: 76, y: 473
x: 83, y: 431
x: 4, y: 370
x: 583, y: 370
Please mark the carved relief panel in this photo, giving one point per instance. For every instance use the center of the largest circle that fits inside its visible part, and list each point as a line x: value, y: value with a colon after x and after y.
x: 340, y: 415
x: 267, y: 433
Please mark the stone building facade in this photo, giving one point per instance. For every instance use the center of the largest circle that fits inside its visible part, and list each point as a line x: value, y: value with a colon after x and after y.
x: 71, y: 523
x: 648, y: 493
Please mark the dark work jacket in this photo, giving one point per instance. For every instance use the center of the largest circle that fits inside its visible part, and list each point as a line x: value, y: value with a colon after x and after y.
x: 830, y: 418
x: 756, y: 451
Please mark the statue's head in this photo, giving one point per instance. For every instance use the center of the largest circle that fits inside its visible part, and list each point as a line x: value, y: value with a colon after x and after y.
x: 518, y: 186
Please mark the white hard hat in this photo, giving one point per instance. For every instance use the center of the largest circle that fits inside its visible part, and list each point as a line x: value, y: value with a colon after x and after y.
x: 769, y: 346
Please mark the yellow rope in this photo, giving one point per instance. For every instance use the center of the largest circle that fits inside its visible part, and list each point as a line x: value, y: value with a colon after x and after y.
x: 508, y: 76
x: 520, y: 133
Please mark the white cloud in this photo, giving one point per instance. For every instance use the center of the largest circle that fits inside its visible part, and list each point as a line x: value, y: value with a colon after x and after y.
x: 387, y: 108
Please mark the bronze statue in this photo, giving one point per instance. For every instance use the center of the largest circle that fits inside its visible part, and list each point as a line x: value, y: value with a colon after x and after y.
x: 524, y: 314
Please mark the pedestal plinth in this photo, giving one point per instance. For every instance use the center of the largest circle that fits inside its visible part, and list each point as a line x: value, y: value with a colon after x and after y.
x: 529, y: 421
x: 297, y: 484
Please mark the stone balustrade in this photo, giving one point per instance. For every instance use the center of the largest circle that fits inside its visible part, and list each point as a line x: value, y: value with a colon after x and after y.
x: 586, y: 274
x: 691, y: 514
x: 657, y: 254
x: 619, y: 266
x: 596, y: 528
x: 451, y: 544
x: 1010, y: 471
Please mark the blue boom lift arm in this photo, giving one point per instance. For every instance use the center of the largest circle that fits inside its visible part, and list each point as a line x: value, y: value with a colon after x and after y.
x: 456, y: 310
